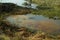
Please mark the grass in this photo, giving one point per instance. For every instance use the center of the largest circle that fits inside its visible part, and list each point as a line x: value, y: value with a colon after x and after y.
x: 47, y: 8
x: 4, y: 37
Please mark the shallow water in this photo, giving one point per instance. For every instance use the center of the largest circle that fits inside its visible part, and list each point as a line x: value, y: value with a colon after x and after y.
x: 38, y: 22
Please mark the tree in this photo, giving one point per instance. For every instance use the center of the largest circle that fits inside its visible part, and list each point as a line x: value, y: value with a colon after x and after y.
x: 28, y: 3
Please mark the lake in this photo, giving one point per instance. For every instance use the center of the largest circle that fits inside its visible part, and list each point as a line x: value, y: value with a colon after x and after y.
x: 37, y: 22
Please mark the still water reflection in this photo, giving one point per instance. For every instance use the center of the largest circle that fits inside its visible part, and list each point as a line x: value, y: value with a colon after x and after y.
x: 38, y: 22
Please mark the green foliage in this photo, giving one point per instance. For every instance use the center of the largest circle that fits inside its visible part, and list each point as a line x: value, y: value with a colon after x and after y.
x: 48, y: 8
x: 4, y: 37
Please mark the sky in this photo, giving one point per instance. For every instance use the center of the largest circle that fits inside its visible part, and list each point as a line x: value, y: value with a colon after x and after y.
x: 18, y: 2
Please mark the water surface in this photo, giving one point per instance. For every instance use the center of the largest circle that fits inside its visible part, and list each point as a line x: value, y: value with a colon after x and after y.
x: 38, y: 22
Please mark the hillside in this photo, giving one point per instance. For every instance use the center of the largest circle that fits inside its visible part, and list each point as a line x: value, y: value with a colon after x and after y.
x: 12, y: 8
x: 7, y: 9
x: 47, y: 2
x: 48, y: 8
